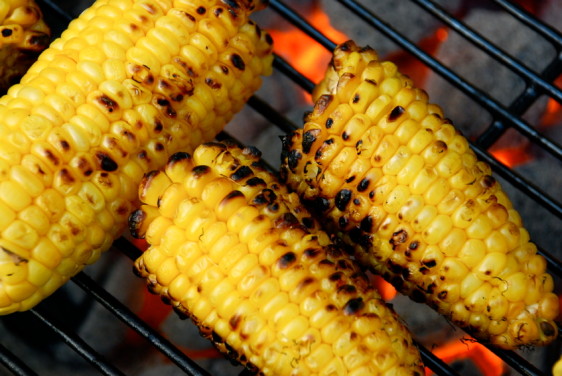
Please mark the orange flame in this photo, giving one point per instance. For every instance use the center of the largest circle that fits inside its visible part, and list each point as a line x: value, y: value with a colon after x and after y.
x: 387, y: 291
x: 512, y: 156
x: 553, y: 112
x: 486, y: 361
x: 303, y: 52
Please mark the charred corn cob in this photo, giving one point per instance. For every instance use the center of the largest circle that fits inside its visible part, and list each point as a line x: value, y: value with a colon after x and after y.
x: 23, y: 35
x: 398, y: 183
x: 233, y: 250
x: 128, y: 84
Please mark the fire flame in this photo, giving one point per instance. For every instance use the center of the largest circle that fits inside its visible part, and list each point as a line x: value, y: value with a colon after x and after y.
x: 487, y: 362
x: 303, y: 52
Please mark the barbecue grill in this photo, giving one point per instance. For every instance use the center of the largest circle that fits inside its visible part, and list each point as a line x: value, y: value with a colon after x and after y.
x: 505, y: 118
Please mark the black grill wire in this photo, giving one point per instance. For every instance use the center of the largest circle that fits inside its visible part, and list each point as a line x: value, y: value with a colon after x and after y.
x: 505, y: 117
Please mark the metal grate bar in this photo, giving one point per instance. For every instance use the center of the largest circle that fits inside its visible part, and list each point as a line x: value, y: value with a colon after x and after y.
x: 78, y: 345
x: 492, y: 50
x: 532, y: 22
x: 14, y: 364
x: 124, y: 314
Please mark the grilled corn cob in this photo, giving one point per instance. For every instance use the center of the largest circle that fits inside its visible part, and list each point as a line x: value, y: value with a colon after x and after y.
x: 233, y: 250
x: 128, y: 84
x: 23, y: 35
x: 396, y: 181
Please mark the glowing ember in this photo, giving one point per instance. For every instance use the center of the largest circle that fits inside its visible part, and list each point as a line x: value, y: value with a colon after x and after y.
x: 487, y: 362
x: 305, y: 54
x: 387, y: 291
x: 553, y: 112
x: 512, y: 156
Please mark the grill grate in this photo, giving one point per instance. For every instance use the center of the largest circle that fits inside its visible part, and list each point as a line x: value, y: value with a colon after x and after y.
x: 504, y: 118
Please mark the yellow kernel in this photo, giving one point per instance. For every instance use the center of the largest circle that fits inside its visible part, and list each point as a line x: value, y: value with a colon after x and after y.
x: 12, y: 194
x: 38, y: 273
x: 7, y: 216
x: 379, y: 107
x: 472, y: 252
x: 437, y: 229
x: 396, y: 199
x: 21, y: 234
x: 364, y: 94
x: 448, y: 292
x: 453, y: 269
x: 516, y: 286
x: 410, y: 170
x: 480, y: 227
x: 423, y: 180
x: 453, y: 242
x: 341, y: 164
x: 478, y: 299
x: 469, y: 284
x: 497, y: 305
x: 355, y: 128
x: 424, y: 217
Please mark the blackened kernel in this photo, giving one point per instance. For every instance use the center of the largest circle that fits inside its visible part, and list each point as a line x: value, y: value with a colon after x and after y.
x: 199, y: 171
x: 287, y: 220
x: 363, y: 185
x: 336, y: 276
x: 6, y: 32
x: 109, y: 104
x: 237, y: 61
x: 320, y: 204
x: 308, y: 139
x: 430, y: 263
x: 308, y: 222
x: 329, y: 123
x: 414, y: 245
x: 106, y: 162
x: 255, y: 181
x: 353, y: 306
x: 343, y: 222
x: 286, y: 260
x: 265, y: 197
x: 312, y: 252
x: 356, y: 98
x: 350, y: 179
x: 396, y: 113
x: 371, y: 194
x: 367, y: 224
x: 347, y: 289
x: 345, y: 136
x: 399, y: 237
x: 201, y: 10
x: 356, y: 201
x: 293, y: 159
x: 342, y: 199
x: 241, y: 173
x: 331, y: 308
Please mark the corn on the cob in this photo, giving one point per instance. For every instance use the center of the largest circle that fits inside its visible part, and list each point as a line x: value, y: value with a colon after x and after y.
x: 23, y: 35
x: 233, y: 250
x: 127, y: 84
x: 397, y: 182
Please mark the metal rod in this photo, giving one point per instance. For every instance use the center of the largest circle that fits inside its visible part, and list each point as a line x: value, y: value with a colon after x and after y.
x: 78, y: 345
x: 295, y: 18
x: 117, y: 308
x: 491, y: 50
x: 552, y: 35
x: 14, y: 364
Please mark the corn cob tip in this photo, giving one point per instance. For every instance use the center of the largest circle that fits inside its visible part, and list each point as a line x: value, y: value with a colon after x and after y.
x: 231, y: 249
x: 394, y: 179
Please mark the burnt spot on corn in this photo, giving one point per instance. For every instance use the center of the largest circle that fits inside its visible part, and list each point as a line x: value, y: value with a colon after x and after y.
x: 488, y: 181
x: 199, y: 171
x: 201, y: 10
x: 255, y: 181
x: 366, y: 224
x: 547, y: 329
x: 7, y: 32
x: 304, y: 283
x: 166, y: 107
x: 66, y: 177
x: 353, y: 306
x: 16, y: 259
x: 105, y: 162
x: 350, y: 179
x: 396, y: 113
x: 414, y: 245
x: 234, y: 321
x: 343, y: 221
x: 286, y: 220
x: 51, y: 157
x: 329, y: 123
x: 430, y: 263
x: 237, y: 62
x: 213, y: 84
x: 241, y: 173
x: 356, y: 98
x: 345, y: 136
x: 443, y: 295
x: 266, y: 197
x: 231, y: 196
x: 308, y: 139
x: 319, y: 204
x: 286, y: 260
x: 109, y: 104
x: 323, y: 103
x: 336, y: 276
x: 342, y: 199
x: 418, y: 296
x: 312, y: 253
x: 178, y: 158
x: 83, y: 165
x: 331, y: 308
x: 363, y: 185
x: 293, y: 159
x: 347, y: 289
x: 399, y: 237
